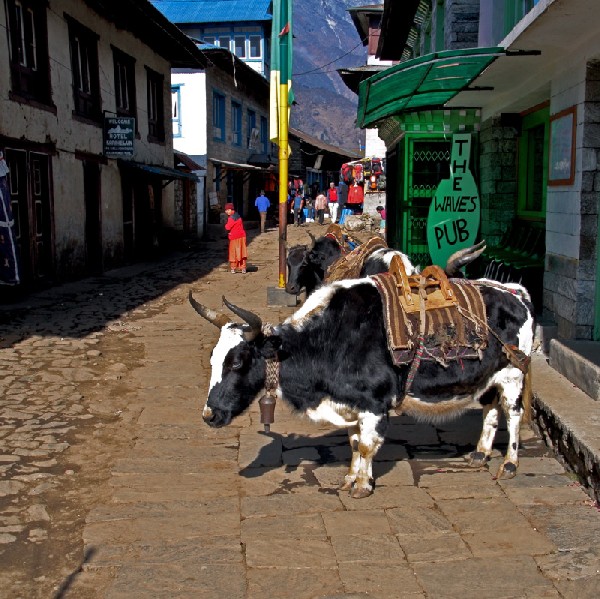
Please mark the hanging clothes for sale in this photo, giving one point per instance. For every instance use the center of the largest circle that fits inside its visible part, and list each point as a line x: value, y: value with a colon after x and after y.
x: 376, y: 168
x: 356, y: 194
x: 346, y: 173
x: 270, y: 182
x: 357, y: 172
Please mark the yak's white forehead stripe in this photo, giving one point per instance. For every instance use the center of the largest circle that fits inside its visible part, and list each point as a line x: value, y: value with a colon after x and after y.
x: 231, y: 335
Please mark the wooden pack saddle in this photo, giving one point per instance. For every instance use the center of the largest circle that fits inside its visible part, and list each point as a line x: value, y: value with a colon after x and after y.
x: 349, y: 266
x: 443, y: 316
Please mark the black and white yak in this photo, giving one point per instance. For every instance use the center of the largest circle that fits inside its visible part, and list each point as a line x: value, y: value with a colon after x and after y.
x: 342, y: 325
x: 307, y: 266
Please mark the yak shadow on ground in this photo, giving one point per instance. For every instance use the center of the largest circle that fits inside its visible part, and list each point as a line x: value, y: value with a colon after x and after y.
x: 424, y: 445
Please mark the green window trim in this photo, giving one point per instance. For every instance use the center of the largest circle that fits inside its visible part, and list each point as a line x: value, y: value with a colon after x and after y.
x: 529, y: 163
x: 514, y: 11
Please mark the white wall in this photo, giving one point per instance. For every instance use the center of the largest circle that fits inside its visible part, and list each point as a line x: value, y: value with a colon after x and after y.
x: 193, y: 112
x: 374, y: 145
x: 563, y: 208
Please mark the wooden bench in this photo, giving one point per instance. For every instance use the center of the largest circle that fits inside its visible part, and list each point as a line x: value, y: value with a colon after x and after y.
x: 519, y: 257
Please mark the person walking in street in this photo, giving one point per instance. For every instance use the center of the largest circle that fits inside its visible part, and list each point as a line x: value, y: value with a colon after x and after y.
x: 382, y: 213
x: 298, y: 209
x: 262, y: 203
x: 332, y: 200
x: 320, y: 206
x: 238, y: 253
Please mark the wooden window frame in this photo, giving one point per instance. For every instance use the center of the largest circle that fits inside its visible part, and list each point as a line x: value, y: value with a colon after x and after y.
x: 28, y: 50
x: 563, y: 129
x: 155, y: 100
x: 236, y: 38
x: 534, y: 118
x: 83, y: 45
x: 264, y: 134
x: 124, y: 67
x: 251, y: 37
x: 250, y: 124
x: 236, y: 123
x: 176, y: 114
x: 218, y: 115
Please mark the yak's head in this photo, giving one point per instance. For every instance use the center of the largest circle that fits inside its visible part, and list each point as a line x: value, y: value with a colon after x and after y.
x: 237, y: 363
x: 299, y: 273
x: 307, y: 266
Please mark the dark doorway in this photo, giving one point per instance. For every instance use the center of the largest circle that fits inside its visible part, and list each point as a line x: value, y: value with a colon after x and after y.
x: 142, y: 215
x: 93, y: 219
x: 29, y: 185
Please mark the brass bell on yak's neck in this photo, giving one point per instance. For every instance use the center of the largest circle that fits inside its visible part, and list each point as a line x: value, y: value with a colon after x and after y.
x: 267, y: 411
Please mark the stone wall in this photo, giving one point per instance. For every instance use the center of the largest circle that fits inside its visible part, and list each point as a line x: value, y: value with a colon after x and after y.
x: 461, y: 24
x: 497, y: 178
x: 571, y: 257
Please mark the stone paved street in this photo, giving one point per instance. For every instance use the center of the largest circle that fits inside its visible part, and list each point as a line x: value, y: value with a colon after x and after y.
x: 111, y: 486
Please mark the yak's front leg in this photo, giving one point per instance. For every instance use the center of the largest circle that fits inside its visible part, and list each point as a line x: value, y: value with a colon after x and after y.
x: 370, y: 439
x: 353, y: 437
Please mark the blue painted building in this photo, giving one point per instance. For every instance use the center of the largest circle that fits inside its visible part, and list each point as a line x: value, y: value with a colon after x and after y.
x: 241, y: 26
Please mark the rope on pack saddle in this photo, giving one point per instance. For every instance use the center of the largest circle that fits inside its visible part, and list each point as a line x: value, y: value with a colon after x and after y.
x: 414, y: 366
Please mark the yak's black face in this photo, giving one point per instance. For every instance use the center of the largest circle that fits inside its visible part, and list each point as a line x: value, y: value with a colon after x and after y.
x: 300, y: 275
x: 307, y: 266
x: 237, y: 376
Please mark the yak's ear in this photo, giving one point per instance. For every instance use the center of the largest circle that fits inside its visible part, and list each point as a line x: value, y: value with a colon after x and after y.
x: 271, y: 346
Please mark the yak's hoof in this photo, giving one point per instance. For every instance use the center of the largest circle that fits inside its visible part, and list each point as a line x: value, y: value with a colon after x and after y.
x: 360, y: 493
x: 478, y: 459
x: 507, y: 470
x: 346, y: 485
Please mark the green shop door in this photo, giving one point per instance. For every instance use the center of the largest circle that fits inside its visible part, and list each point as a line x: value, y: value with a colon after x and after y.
x: 426, y: 163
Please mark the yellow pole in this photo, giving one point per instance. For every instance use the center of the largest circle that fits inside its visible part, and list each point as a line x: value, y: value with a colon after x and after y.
x: 283, y: 178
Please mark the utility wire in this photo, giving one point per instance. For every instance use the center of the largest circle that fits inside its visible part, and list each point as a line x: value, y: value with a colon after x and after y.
x: 330, y: 62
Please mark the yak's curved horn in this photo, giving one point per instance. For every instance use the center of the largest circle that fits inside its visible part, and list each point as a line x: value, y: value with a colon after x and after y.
x: 217, y: 318
x: 312, y: 237
x: 464, y: 256
x: 254, y: 321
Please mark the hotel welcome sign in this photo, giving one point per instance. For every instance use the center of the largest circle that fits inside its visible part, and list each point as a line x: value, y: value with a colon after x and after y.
x: 453, y: 221
x: 119, y: 133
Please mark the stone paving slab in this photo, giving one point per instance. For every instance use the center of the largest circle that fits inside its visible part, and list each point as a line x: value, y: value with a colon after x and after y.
x: 434, y: 547
x: 166, y: 580
x: 294, y: 583
x: 473, y: 578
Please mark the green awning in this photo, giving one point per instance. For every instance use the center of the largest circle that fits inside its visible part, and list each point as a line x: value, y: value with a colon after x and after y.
x: 427, y: 82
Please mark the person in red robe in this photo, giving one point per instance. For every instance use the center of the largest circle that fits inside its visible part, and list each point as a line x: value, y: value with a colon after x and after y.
x: 238, y: 254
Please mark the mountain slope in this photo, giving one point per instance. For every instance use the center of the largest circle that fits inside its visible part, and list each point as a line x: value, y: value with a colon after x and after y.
x: 325, y: 40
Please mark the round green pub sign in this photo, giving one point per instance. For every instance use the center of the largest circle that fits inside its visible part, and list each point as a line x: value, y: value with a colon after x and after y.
x: 453, y: 221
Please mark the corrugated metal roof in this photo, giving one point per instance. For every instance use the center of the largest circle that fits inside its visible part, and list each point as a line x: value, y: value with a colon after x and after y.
x: 214, y: 11
x: 423, y: 83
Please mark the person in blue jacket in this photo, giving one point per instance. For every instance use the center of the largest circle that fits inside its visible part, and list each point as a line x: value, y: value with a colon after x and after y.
x: 262, y: 203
